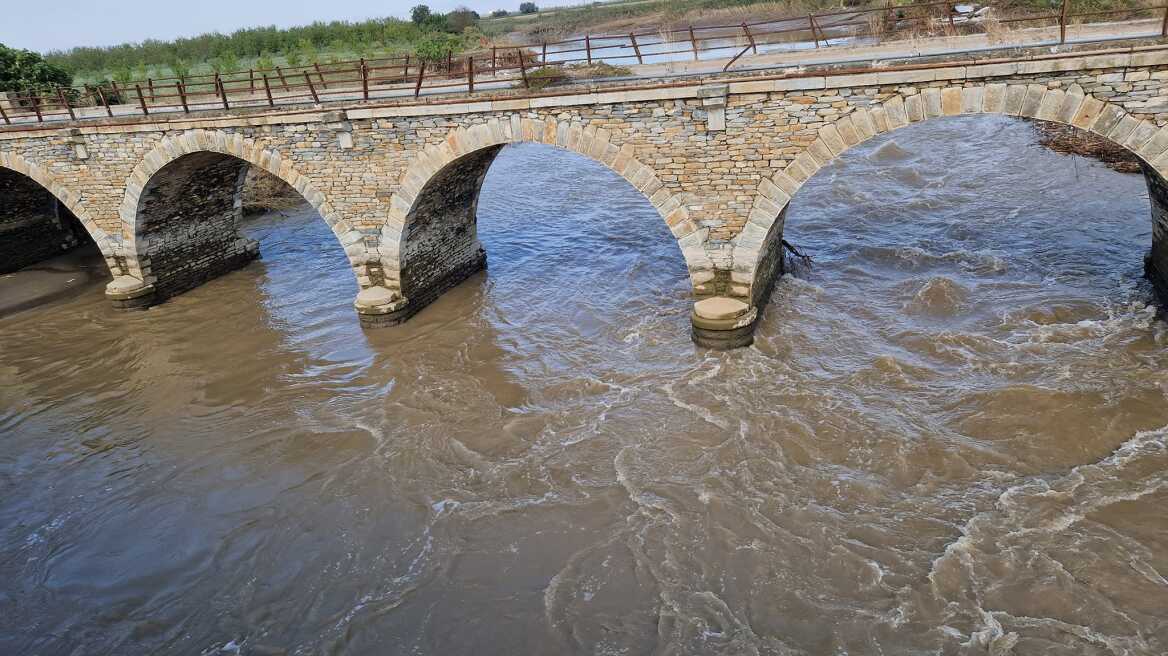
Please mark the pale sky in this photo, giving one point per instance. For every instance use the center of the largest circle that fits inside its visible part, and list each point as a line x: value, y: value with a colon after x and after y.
x: 58, y: 24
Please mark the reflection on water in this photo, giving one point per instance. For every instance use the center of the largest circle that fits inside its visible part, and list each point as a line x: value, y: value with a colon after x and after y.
x: 947, y: 439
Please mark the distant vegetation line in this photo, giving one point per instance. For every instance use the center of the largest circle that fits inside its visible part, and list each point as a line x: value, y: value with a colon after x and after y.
x: 426, y: 34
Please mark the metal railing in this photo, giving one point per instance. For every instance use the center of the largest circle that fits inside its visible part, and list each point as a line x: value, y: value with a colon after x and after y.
x: 522, y: 65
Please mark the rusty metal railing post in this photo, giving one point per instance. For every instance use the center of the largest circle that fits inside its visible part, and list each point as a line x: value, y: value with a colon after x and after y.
x: 421, y: 75
x: 814, y: 32
x: 323, y: 84
x: 494, y: 60
x: 364, y: 80
x: 182, y: 96
x: 636, y: 48
x: 268, y: 91
x: 749, y: 37
x: 1164, y: 23
x: 223, y: 94
x: 101, y: 94
x: 4, y: 115
x: 141, y: 100
x: 65, y: 102
x: 588, y: 47
x: 311, y: 88
x: 693, y: 41
x: 470, y: 75
x: 1063, y: 23
x: 543, y: 54
x: 522, y: 67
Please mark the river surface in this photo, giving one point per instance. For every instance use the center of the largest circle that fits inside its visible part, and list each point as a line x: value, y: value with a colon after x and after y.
x: 949, y: 437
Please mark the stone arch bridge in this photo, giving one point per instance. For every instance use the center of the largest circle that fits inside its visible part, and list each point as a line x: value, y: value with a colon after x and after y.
x: 719, y: 158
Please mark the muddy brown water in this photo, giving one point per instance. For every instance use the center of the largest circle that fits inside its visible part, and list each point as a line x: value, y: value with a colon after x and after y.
x: 949, y: 437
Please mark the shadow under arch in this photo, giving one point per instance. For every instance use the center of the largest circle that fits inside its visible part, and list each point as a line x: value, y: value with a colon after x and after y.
x: 757, y: 250
x: 38, y: 215
x: 429, y: 241
x: 183, y: 206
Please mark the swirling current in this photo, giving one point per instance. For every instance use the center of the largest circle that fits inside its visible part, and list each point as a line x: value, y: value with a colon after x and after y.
x: 950, y: 437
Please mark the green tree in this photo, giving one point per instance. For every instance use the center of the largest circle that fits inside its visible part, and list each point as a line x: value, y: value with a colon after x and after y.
x: 498, y: 13
x: 528, y: 8
x: 460, y: 19
x: 419, y: 14
x: 23, y: 70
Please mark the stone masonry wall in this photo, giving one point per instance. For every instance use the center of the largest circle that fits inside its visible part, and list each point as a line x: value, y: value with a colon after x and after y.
x: 442, y: 241
x: 189, y: 222
x: 31, y: 229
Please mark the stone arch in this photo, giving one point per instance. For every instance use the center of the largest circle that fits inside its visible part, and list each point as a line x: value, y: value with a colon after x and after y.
x: 175, y: 147
x: 108, y: 244
x: 757, y: 249
x: 486, y: 139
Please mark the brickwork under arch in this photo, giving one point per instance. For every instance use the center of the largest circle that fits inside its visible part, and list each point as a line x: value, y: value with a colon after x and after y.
x: 173, y: 148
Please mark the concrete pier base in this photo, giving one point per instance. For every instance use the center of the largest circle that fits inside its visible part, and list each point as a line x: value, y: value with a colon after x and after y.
x: 378, y: 307
x: 130, y: 293
x: 723, y: 323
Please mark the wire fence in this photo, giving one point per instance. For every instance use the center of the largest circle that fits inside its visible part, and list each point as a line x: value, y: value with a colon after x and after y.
x: 533, y: 65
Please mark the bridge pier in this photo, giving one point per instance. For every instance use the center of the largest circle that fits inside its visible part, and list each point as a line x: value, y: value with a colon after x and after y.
x: 1156, y: 262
